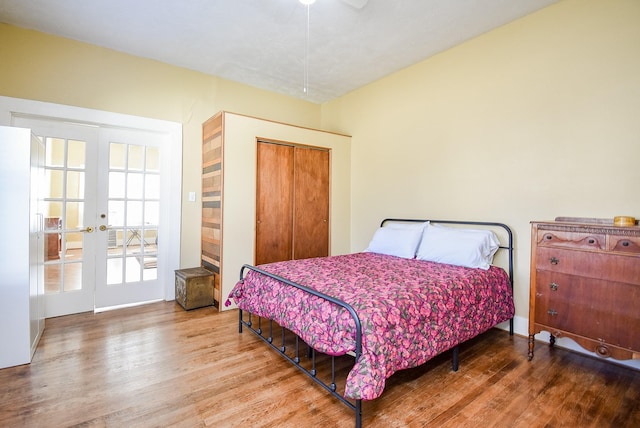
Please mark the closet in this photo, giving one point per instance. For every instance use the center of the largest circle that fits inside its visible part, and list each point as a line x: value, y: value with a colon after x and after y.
x: 22, y: 229
x: 270, y: 191
x: 292, y: 202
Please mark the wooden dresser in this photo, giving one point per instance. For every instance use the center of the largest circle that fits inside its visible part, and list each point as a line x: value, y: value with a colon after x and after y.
x: 585, y: 285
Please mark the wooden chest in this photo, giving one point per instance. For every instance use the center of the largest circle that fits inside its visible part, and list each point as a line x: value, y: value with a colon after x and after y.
x: 585, y: 285
x: 194, y: 288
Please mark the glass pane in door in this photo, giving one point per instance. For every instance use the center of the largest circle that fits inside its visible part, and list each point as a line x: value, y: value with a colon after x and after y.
x: 64, y: 203
x: 134, y: 196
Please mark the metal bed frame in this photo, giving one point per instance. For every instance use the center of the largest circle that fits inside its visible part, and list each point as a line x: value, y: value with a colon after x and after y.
x: 310, y: 368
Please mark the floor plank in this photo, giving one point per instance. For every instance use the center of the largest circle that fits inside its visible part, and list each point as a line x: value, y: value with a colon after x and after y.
x: 158, y: 365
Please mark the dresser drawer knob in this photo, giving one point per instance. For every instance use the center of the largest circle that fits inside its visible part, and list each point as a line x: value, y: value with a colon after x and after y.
x: 625, y: 243
x: 552, y: 312
x: 553, y: 286
x: 602, y: 351
x: 592, y: 241
x: 554, y: 261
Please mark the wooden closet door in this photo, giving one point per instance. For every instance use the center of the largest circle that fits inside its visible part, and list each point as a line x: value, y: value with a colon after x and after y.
x: 311, y: 203
x: 274, y: 203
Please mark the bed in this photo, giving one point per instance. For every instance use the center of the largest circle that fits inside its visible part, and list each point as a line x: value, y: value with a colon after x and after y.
x: 421, y: 288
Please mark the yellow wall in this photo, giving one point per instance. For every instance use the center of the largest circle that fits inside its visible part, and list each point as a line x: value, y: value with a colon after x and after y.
x: 41, y: 67
x: 537, y: 119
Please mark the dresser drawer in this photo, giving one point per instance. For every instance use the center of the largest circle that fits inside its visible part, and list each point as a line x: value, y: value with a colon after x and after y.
x: 558, y: 299
x: 575, y: 240
x: 611, y: 267
x: 606, y: 311
x: 624, y: 244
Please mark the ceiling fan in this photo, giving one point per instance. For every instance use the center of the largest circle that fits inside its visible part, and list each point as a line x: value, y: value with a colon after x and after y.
x: 358, y: 4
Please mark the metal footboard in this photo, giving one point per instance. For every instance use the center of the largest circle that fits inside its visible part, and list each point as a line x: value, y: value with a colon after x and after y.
x: 295, y: 356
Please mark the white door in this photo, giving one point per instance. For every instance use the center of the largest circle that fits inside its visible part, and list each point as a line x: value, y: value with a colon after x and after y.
x: 102, y: 216
x: 69, y: 202
x: 128, y: 217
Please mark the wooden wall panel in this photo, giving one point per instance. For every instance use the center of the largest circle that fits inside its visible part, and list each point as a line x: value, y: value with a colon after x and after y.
x: 211, y: 245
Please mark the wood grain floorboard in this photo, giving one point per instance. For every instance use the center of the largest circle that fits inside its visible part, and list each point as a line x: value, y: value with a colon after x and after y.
x: 160, y: 366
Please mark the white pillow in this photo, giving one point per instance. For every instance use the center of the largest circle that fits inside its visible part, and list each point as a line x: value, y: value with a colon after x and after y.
x: 401, y: 242
x: 472, y: 248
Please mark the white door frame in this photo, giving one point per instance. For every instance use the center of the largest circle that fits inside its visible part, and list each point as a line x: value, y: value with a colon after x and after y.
x: 172, y: 164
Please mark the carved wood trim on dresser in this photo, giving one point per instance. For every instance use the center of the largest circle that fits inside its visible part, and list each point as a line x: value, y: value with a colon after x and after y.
x: 585, y: 285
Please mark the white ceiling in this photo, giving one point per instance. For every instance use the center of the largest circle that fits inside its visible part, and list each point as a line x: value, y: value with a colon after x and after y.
x: 262, y: 42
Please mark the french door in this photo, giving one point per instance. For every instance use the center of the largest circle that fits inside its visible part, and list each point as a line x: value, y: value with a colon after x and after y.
x: 102, y: 215
x: 128, y: 218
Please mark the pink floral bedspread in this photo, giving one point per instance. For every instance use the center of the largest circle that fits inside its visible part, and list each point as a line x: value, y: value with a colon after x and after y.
x: 410, y: 310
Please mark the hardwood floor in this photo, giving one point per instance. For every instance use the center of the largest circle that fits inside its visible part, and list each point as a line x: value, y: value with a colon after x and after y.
x: 158, y: 366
